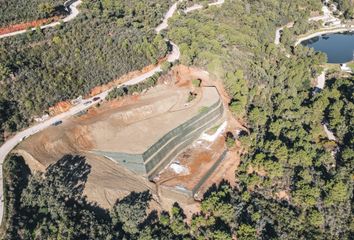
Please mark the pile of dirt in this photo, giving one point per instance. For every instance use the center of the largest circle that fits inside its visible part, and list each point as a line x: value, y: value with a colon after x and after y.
x: 60, y: 107
x: 183, y: 75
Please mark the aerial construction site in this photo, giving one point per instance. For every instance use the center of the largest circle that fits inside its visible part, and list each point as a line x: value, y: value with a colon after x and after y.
x: 169, y: 139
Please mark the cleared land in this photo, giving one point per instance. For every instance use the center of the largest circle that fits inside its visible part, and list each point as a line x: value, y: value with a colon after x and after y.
x: 131, y: 125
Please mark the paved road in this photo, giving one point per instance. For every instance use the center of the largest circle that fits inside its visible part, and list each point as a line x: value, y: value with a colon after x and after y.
x: 337, y: 29
x: 321, y: 80
x: 329, y: 133
x: 198, y: 6
x: 279, y: 30
x: 73, y: 13
x: 12, y: 142
x: 168, y: 15
x: 327, y: 15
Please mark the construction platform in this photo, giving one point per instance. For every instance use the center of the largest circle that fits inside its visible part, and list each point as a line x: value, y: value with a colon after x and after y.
x: 152, y: 133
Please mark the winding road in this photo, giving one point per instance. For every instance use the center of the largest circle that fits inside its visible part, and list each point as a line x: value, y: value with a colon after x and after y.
x: 326, y: 17
x: 321, y: 79
x: 73, y: 14
x: 340, y: 29
x: 198, y: 6
x: 6, y: 148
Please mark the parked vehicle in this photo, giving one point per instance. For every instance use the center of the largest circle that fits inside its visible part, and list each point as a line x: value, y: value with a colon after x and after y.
x: 96, y: 98
x: 57, y: 123
x: 87, y: 103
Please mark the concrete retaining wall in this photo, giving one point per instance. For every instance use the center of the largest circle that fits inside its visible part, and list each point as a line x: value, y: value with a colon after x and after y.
x: 186, y: 195
x: 186, y: 137
x: 133, y: 162
x: 163, y: 151
x: 208, y: 174
x: 178, y: 195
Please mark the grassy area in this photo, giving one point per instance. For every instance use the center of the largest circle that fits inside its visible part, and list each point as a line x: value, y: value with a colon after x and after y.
x: 332, y: 67
x: 351, y: 65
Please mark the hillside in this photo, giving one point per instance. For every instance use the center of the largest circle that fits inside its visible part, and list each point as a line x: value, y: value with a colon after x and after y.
x: 40, y: 69
x: 292, y: 182
x: 13, y: 12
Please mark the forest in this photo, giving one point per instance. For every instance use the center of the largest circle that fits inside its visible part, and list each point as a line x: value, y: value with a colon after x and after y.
x: 292, y: 183
x: 19, y: 11
x: 107, y: 40
x: 347, y: 7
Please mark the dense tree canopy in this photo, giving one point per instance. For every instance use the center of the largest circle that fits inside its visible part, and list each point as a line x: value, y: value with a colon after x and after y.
x: 19, y: 11
x: 346, y: 7
x: 292, y: 180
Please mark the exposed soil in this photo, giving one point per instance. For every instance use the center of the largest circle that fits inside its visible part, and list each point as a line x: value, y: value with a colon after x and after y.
x: 225, y: 171
x: 198, y: 159
x: 122, y: 79
x: 108, y: 180
x: 60, y: 107
x: 23, y: 26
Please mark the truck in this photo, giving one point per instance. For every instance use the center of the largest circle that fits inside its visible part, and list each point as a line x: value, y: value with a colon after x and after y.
x: 87, y: 103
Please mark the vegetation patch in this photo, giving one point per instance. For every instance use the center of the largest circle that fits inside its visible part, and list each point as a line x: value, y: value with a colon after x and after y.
x: 14, y: 12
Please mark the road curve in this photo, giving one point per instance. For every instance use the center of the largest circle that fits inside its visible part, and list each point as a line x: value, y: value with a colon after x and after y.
x: 164, y: 24
x: 198, y: 6
x: 326, y: 31
x: 73, y: 14
x: 6, y: 148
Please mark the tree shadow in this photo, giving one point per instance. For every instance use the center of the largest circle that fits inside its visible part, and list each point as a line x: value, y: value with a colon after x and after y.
x: 214, y: 188
x: 135, y: 197
x: 16, y: 176
x: 71, y: 171
x: 150, y: 220
x: 179, y: 211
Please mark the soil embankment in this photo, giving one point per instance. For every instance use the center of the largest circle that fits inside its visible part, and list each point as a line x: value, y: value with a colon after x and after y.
x: 26, y: 25
x: 98, y: 128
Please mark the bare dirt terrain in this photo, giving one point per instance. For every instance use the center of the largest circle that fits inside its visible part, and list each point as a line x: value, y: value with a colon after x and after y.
x: 97, y: 129
x: 194, y: 163
x: 22, y: 26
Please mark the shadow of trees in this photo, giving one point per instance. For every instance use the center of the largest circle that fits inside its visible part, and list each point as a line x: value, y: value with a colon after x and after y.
x: 71, y: 172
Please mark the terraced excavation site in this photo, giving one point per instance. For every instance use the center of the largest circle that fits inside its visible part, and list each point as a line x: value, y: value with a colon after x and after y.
x: 152, y: 141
